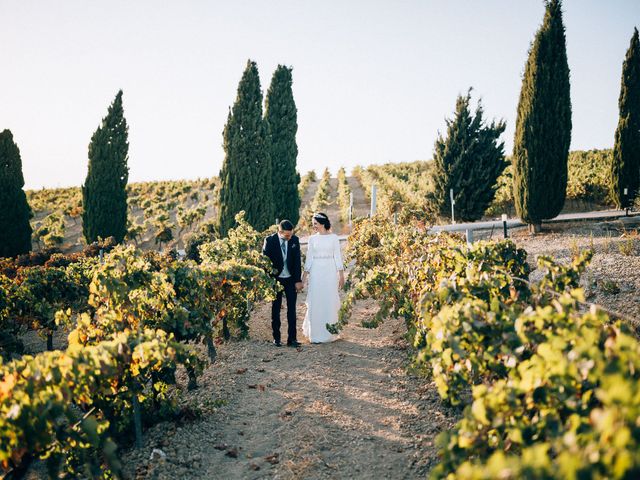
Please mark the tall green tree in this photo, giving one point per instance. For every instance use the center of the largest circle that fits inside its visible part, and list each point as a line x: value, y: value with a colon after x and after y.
x: 469, y: 160
x: 104, y: 193
x: 625, y: 167
x: 282, y: 117
x: 543, y: 126
x: 245, y: 177
x: 15, y: 230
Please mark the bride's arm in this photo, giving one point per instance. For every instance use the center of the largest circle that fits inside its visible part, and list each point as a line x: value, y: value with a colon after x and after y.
x: 308, y: 261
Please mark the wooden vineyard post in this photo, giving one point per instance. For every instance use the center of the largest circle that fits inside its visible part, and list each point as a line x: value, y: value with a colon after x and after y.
x: 137, y: 421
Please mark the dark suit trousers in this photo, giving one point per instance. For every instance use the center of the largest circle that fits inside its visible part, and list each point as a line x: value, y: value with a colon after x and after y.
x: 291, y: 294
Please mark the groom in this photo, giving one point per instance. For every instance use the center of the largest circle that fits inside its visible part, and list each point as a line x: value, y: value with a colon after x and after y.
x: 283, y: 248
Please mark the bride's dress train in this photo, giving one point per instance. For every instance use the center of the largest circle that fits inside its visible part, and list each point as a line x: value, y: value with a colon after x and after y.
x: 323, y: 261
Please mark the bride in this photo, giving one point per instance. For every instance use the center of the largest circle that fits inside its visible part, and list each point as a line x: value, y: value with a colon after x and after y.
x: 323, y: 267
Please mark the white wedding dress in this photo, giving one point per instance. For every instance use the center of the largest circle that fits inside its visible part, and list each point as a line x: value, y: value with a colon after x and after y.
x: 323, y: 261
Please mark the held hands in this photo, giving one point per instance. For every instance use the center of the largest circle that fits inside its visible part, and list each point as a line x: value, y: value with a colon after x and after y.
x: 299, y: 286
x: 341, y: 280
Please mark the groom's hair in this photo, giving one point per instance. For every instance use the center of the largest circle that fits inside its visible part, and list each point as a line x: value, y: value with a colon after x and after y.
x: 286, y: 225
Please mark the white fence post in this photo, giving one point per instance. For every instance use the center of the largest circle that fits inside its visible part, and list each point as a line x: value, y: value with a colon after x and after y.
x: 453, y: 202
x: 374, y: 193
x: 469, y: 235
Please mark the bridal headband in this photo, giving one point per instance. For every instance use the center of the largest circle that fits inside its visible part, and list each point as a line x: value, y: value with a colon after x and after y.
x: 320, y: 216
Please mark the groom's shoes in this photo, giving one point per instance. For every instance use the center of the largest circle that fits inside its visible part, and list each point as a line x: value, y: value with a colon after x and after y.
x: 277, y: 343
x: 294, y: 344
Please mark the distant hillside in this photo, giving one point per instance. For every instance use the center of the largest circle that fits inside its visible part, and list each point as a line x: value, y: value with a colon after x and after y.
x: 160, y: 213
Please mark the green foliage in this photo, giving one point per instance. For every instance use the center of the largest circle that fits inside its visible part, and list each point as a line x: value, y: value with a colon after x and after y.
x: 574, y: 403
x: 319, y: 202
x: 64, y: 406
x: 625, y: 165
x: 242, y: 243
x: 48, y: 200
x: 11, y: 329
x: 281, y: 116
x: 402, y: 188
x: 246, y: 174
x: 309, y: 178
x: 15, y: 231
x: 42, y: 291
x: 132, y: 290
x: 104, y: 193
x: 469, y: 161
x: 187, y: 218
x: 384, y: 255
x: 609, y: 287
x: 543, y: 125
x: 49, y: 231
x: 128, y: 313
x: 555, y: 389
x: 588, y: 182
x: 344, y: 195
x: 244, y: 276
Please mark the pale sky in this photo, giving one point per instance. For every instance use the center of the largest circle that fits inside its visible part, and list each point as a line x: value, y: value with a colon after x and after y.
x: 373, y: 80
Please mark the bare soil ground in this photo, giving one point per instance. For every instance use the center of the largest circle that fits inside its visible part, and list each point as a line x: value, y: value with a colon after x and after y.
x: 612, y: 280
x: 361, y: 204
x: 342, y: 410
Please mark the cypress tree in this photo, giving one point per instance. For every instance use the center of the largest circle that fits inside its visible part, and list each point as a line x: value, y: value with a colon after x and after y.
x: 104, y: 193
x: 469, y: 161
x: 625, y: 167
x: 282, y: 117
x: 15, y: 230
x: 543, y: 125
x: 245, y: 177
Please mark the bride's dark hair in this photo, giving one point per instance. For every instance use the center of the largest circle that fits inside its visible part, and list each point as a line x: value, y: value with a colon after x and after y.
x: 322, y: 219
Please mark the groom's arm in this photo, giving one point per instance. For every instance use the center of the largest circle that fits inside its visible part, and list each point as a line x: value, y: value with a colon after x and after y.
x: 266, y: 251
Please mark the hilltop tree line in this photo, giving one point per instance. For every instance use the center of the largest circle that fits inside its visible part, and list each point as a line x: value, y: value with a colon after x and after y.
x: 259, y: 173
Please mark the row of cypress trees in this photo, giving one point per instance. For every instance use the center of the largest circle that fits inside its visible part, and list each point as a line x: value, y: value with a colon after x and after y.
x: 625, y: 168
x: 104, y: 194
x: 543, y: 126
x: 470, y: 158
x: 259, y: 173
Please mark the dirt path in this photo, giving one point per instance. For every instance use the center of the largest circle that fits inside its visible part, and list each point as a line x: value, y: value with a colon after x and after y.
x: 342, y: 410
x: 361, y: 204
x: 333, y: 209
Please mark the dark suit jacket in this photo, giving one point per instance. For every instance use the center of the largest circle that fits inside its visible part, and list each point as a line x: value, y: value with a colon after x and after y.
x: 271, y: 248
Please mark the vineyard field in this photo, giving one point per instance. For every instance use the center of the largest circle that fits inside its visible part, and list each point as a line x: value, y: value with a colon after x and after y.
x: 394, y: 267
x: 161, y: 214
x: 388, y: 398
